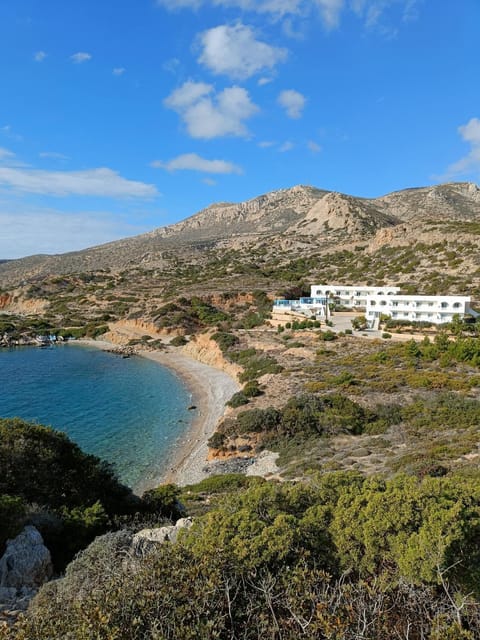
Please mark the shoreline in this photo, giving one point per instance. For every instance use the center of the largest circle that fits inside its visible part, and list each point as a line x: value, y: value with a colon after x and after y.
x: 211, y: 388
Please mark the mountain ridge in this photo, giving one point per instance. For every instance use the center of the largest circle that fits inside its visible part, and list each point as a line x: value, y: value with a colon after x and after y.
x: 295, y: 218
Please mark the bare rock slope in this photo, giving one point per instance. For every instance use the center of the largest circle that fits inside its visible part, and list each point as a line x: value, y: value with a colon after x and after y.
x: 288, y: 217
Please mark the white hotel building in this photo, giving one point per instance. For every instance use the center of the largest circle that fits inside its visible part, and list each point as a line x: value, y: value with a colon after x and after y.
x: 377, y: 301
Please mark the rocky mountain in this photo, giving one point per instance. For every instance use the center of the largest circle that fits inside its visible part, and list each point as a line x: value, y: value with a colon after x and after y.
x: 288, y: 219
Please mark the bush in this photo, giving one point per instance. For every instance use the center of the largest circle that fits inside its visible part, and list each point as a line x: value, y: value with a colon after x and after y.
x: 225, y: 340
x: 321, y: 560
x: 327, y: 336
x: 238, y: 399
x: 59, y: 473
x: 217, y: 440
x: 12, y: 518
x: 178, y: 341
x: 163, y: 501
x: 386, y: 335
x: 252, y: 389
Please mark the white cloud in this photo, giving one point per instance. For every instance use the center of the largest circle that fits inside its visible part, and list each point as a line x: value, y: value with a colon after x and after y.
x: 80, y: 57
x: 90, y: 182
x: 235, y: 51
x: 263, y: 81
x: 27, y: 231
x: 370, y: 12
x: 171, y: 65
x: 118, y: 71
x: 172, y: 5
x: 7, y: 131
x: 314, y: 147
x: 209, y: 181
x: 293, y: 102
x: 9, y: 159
x: 470, y: 163
x: 40, y: 56
x: 265, y: 144
x: 207, y: 114
x: 6, y: 154
x: 53, y: 155
x: 186, y: 95
x: 330, y: 11
x: 275, y: 7
x: 286, y: 146
x: 194, y: 162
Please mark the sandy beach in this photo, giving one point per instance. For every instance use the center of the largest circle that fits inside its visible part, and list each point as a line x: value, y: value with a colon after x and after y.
x: 211, y: 388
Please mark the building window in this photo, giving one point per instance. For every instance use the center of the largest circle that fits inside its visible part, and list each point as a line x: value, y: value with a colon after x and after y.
x: 444, y: 305
x: 383, y: 302
x: 456, y: 305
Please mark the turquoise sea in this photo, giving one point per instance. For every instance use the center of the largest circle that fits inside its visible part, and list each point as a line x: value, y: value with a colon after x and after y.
x: 129, y: 411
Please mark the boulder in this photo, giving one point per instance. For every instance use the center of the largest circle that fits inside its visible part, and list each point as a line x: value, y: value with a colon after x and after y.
x: 146, y: 539
x: 26, y: 562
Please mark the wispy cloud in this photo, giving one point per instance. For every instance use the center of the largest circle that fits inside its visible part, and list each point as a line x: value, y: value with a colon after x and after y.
x: 171, y: 65
x: 194, y: 162
x: 370, y: 12
x: 9, y: 159
x: 207, y: 114
x: 236, y: 52
x: 27, y: 231
x: 314, y: 147
x: 40, y: 56
x: 80, y: 57
x: 101, y: 182
x: 286, y: 146
x: 470, y: 163
x: 8, y: 132
x: 53, y: 155
x: 118, y: 71
x: 293, y: 102
x: 6, y: 154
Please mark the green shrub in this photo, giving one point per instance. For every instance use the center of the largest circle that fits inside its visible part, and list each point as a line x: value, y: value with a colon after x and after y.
x: 225, y: 340
x: 164, y: 501
x: 59, y: 473
x: 217, y: 440
x: 178, y: 341
x: 12, y: 518
x: 238, y: 399
x: 327, y: 336
x: 252, y: 389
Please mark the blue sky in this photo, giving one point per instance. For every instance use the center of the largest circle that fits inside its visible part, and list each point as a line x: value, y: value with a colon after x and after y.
x: 119, y: 116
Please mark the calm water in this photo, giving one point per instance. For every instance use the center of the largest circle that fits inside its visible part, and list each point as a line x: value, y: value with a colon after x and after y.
x: 129, y: 411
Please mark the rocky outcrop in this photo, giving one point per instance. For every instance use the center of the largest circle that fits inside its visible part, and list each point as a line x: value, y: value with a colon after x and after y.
x: 147, y: 539
x: 338, y: 212
x: 24, y: 567
x: 202, y: 348
x: 14, y: 303
x: 122, y: 331
x: 26, y: 561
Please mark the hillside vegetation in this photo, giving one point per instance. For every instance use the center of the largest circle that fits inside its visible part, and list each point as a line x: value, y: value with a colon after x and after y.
x: 370, y: 527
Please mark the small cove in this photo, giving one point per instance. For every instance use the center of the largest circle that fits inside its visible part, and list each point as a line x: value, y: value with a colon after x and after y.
x: 131, y: 412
